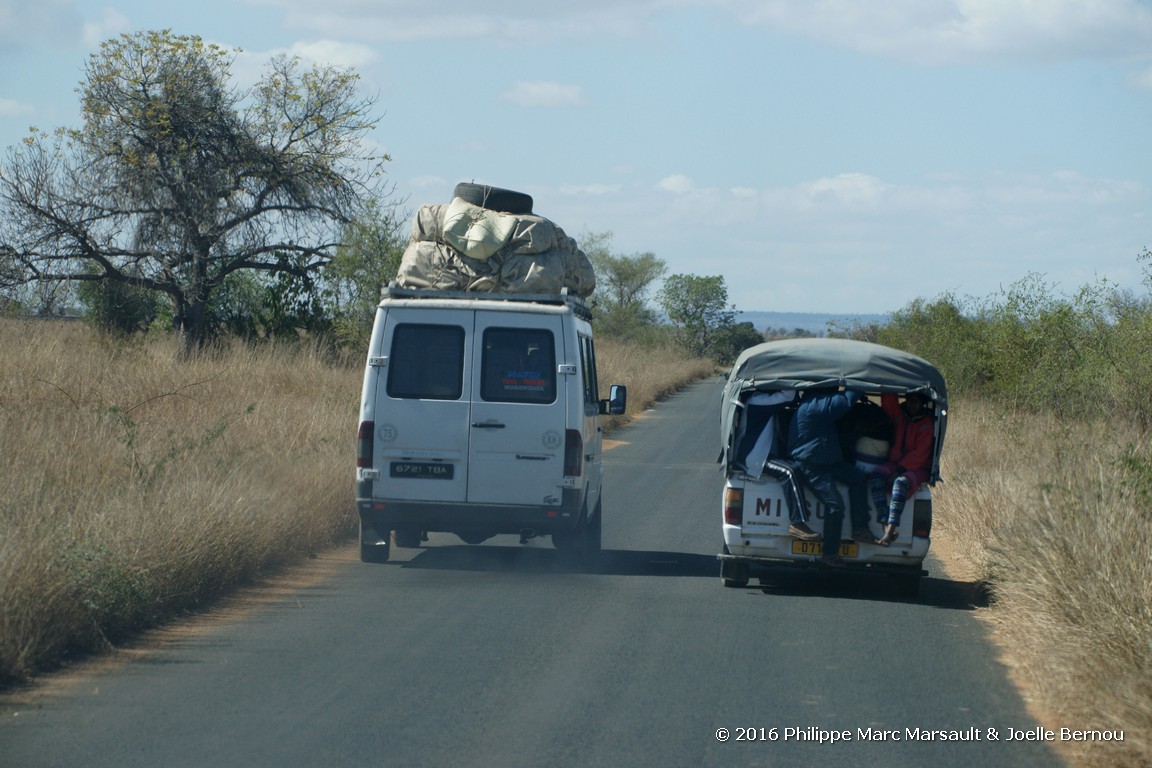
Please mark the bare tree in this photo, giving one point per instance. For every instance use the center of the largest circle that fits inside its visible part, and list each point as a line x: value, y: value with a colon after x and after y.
x: 177, y: 179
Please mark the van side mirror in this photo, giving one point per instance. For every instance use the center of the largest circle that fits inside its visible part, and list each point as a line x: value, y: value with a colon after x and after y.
x: 617, y: 400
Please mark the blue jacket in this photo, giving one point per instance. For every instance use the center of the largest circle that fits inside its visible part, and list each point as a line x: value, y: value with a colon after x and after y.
x: 812, y: 437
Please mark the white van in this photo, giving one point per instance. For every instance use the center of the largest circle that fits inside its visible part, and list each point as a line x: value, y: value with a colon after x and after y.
x: 764, y: 388
x: 480, y: 415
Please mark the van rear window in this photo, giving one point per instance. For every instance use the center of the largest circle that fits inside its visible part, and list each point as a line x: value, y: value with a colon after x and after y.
x: 426, y: 362
x: 519, y: 366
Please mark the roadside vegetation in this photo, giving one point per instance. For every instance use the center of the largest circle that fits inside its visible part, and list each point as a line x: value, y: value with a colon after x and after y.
x: 1047, y: 493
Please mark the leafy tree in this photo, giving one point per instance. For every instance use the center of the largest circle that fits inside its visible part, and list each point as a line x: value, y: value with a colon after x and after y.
x: 118, y: 307
x: 367, y: 259
x: 698, y: 310
x: 622, y: 285
x: 733, y: 339
x: 178, y: 180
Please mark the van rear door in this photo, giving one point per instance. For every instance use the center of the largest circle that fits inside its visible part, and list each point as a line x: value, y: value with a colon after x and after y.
x: 422, y: 406
x: 518, y: 418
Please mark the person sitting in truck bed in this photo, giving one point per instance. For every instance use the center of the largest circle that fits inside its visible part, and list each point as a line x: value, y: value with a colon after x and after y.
x: 909, y: 459
x: 814, y: 444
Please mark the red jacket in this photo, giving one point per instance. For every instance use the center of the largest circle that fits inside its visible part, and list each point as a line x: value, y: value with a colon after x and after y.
x: 911, y: 451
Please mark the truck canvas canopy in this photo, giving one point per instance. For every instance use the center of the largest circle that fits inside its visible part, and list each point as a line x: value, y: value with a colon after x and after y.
x: 802, y: 364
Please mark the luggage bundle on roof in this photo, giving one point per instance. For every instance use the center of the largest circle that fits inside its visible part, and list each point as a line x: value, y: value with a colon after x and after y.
x: 488, y: 240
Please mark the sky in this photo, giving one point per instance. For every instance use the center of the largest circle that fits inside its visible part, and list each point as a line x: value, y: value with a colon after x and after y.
x: 828, y: 156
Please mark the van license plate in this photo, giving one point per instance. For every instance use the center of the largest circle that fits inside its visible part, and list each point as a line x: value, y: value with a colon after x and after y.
x: 422, y: 470
x: 847, y: 548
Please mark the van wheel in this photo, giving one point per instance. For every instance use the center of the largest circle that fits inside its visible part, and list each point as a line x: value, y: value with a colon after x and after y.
x: 409, y: 537
x: 494, y: 198
x: 374, y: 547
x: 374, y: 553
x: 582, y: 543
x: 594, y: 533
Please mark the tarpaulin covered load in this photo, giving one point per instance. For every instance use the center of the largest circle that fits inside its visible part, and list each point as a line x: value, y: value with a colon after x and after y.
x: 465, y: 247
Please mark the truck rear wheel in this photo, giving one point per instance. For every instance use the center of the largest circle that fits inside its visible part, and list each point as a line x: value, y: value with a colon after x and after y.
x: 908, y: 584
x: 734, y: 574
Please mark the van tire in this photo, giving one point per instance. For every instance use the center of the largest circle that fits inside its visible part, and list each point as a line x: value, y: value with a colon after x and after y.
x: 374, y: 553
x: 494, y: 198
x: 409, y: 537
x: 581, y: 543
x: 374, y: 544
x: 595, y: 530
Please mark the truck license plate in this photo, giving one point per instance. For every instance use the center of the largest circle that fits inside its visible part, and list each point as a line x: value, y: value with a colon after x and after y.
x: 847, y: 548
x: 422, y: 470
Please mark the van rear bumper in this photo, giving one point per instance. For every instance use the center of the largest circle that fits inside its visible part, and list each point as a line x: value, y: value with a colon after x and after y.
x: 386, y: 514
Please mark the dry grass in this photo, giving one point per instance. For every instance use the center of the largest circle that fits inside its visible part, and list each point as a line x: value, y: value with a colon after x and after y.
x: 136, y: 488
x: 1063, y: 537
x: 650, y: 373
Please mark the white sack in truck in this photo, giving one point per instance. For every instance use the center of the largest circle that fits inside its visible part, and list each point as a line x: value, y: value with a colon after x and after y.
x: 467, y: 248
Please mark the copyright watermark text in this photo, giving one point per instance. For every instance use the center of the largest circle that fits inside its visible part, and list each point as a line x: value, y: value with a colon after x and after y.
x: 973, y: 733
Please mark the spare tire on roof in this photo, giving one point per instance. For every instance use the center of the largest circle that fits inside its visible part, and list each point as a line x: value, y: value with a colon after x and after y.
x: 494, y: 198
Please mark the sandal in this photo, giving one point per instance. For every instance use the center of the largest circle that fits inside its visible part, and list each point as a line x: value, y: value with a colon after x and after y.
x: 864, y: 536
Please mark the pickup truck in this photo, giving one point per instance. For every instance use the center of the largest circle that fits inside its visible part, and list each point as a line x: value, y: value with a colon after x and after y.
x: 764, y: 387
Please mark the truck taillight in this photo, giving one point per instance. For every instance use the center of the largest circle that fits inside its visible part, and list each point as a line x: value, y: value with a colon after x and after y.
x: 733, y: 506
x: 364, y: 443
x: 922, y: 518
x: 573, y: 453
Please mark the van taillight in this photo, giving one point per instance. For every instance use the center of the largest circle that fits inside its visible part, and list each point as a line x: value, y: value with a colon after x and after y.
x: 573, y: 453
x: 733, y: 506
x: 364, y: 443
x: 922, y: 518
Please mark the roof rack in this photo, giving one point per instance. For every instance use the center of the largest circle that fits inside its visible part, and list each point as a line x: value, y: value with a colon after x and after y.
x: 563, y: 297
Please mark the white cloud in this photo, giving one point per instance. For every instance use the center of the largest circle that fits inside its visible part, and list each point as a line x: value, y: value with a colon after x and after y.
x: 676, y: 184
x: 961, y: 31
x: 335, y: 52
x: 521, y: 21
x: 842, y: 242
x: 591, y: 190
x: 110, y: 24
x: 26, y: 24
x: 249, y: 66
x: 1064, y: 188
x: 544, y: 93
x: 1142, y: 80
x: 854, y: 190
x: 13, y: 108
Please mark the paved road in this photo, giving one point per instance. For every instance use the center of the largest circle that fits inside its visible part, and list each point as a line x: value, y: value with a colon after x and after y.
x: 499, y: 655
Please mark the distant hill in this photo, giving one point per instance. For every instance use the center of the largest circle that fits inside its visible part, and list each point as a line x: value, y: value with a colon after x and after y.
x: 813, y: 322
